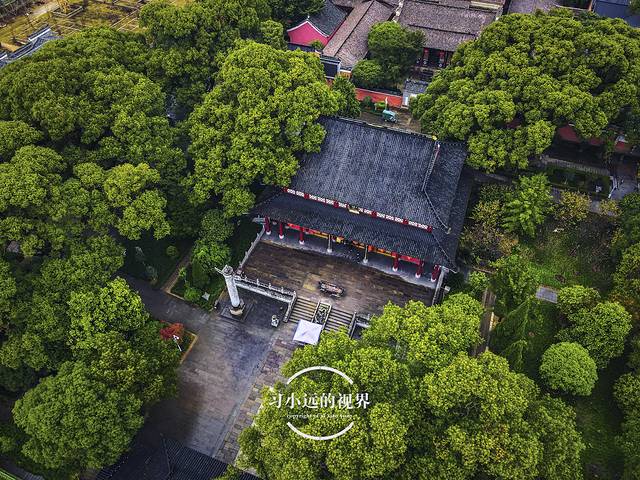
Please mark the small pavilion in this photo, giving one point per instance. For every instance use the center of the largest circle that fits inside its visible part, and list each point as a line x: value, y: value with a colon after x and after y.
x: 389, y: 192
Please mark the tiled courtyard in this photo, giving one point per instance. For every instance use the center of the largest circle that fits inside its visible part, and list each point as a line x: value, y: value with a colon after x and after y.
x: 221, y: 379
x: 366, y: 289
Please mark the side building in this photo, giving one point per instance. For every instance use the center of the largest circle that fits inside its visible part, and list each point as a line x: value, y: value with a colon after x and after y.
x: 392, y: 195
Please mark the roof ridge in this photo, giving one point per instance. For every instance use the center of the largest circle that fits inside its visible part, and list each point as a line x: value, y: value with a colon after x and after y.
x: 382, y: 127
x: 432, y: 162
x: 422, y: 27
x: 371, y: 2
x: 444, y: 252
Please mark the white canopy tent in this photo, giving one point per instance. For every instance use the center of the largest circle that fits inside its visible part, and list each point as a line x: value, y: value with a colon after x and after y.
x: 308, y: 332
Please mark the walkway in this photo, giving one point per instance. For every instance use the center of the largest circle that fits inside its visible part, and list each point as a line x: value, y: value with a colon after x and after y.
x: 486, y: 324
x: 217, y: 375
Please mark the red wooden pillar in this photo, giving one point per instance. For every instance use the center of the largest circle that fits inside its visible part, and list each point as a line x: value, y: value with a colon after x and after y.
x: 420, y: 269
x: 267, y: 225
x: 301, y: 237
x: 395, y: 262
x: 435, y: 272
x: 281, y: 230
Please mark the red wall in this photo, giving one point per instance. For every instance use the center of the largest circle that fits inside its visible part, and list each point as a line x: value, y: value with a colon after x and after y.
x: 393, y: 100
x: 304, y: 34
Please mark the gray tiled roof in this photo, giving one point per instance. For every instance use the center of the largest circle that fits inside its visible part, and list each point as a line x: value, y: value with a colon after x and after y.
x: 445, y: 25
x: 166, y: 459
x: 382, y: 169
x: 386, y: 170
x: 349, y: 43
x: 381, y: 233
x: 328, y: 19
x: 530, y: 6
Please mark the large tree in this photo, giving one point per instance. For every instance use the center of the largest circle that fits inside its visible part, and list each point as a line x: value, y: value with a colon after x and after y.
x: 74, y: 420
x: 261, y: 113
x: 626, y: 281
x: 514, y: 282
x: 602, y: 330
x: 628, y: 232
x: 395, y: 48
x: 188, y: 42
x: 434, y: 411
x: 526, y: 205
x: 98, y: 106
x: 567, y: 367
x: 526, y: 75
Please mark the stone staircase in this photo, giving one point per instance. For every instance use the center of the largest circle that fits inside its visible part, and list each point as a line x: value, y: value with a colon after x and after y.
x: 304, y: 309
x: 338, y: 319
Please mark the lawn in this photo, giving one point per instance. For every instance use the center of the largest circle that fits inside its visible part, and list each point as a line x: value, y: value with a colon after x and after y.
x: 599, y: 419
x: 573, y: 256
x: 154, y: 254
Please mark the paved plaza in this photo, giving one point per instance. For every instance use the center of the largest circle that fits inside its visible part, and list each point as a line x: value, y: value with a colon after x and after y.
x: 231, y: 362
x: 366, y: 289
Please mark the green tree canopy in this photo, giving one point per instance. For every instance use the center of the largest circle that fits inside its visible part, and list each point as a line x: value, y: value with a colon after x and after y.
x: 626, y: 281
x: 526, y: 205
x: 508, y: 91
x: 348, y: 103
x: 189, y: 42
x: 572, y: 209
x: 602, y: 330
x: 576, y: 297
x: 433, y: 409
x: 272, y: 33
x: 75, y: 420
x: 567, y: 367
x: 368, y: 74
x: 628, y: 232
x: 260, y: 114
x: 14, y: 135
x: 395, y: 48
x: 514, y: 282
x: 292, y: 10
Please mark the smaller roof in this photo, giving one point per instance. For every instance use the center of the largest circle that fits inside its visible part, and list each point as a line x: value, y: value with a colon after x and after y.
x: 349, y: 43
x: 415, y: 87
x: 328, y: 19
x: 445, y: 25
x: 617, y: 9
x: 530, y: 6
x: 308, y: 332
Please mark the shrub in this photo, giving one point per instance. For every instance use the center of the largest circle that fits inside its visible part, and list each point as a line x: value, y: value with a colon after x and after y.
x: 367, y: 74
x: 568, y: 367
x: 199, y: 275
x: 172, y: 252
x: 317, y: 45
x: 192, y: 294
x: 478, y: 282
x: 572, y: 209
x: 151, y: 273
x: 367, y: 103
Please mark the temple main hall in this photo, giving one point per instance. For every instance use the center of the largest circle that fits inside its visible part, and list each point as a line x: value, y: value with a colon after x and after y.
x: 384, y: 192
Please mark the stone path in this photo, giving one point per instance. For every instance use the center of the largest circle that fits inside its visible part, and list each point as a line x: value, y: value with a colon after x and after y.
x: 547, y: 294
x: 280, y: 352
x: 216, y: 377
x: 173, y: 278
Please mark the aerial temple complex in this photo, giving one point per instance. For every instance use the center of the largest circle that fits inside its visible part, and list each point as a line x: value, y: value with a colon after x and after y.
x: 384, y: 192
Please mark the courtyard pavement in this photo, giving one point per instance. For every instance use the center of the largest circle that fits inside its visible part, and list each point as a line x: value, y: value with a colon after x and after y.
x: 216, y: 377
